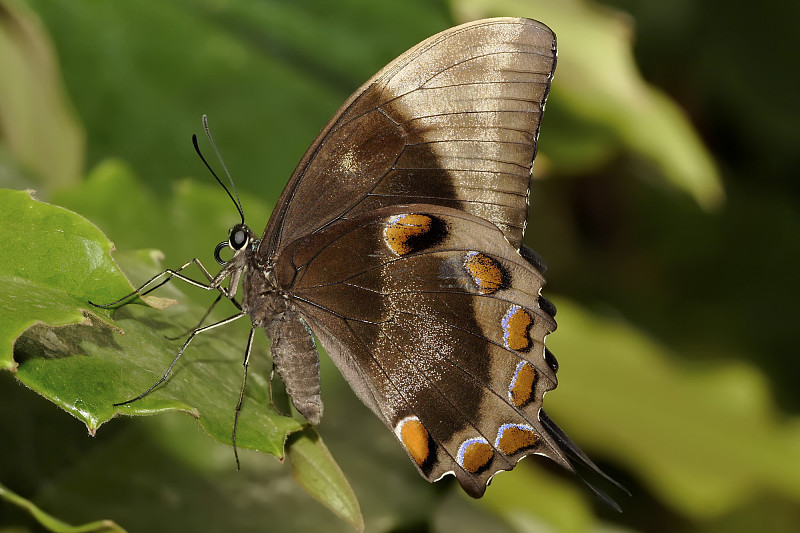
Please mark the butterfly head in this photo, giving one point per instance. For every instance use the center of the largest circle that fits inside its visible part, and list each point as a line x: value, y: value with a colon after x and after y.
x: 240, y: 237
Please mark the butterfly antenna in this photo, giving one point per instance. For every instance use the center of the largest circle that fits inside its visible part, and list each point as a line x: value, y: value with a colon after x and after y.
x: 236, y: 201
x: 197, y: 149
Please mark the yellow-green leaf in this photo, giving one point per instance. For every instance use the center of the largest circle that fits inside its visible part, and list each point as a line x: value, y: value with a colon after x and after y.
x: 316, y: 471
x: 54, y: 524
x: 37, y: 122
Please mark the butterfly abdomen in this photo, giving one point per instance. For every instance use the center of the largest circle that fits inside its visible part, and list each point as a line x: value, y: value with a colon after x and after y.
x: 294, y: 354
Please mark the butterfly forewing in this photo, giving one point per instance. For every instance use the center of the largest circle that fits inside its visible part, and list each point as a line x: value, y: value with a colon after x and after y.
x: 453, y: 122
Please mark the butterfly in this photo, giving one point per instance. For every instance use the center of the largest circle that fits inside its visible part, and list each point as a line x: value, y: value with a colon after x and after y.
x: 397, y: 243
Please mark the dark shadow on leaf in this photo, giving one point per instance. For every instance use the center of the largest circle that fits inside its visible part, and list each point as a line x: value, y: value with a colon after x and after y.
x: 154, y: 321
x: 47, y: 342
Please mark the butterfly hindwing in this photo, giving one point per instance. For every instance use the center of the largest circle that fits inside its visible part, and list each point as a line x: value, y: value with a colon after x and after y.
x: 434, y: 318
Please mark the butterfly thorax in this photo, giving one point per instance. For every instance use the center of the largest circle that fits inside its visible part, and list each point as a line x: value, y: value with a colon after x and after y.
x: 261, y: 298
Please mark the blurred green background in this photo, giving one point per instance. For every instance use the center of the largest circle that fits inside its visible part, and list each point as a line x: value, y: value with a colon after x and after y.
x: 665, y: 204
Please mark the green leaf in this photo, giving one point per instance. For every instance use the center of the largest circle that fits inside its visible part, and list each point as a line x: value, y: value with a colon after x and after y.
x: 85, y: 369
x: 597, y: 80
x: 54, y: 524
x: 316, y: 471
x: 39, y: 125
x: 53, y: 262
x: 157, y: 473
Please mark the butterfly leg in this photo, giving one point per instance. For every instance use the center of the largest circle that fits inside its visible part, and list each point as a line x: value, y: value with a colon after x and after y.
x: 178, y: 356
x: 203, y: 318
x: 214, y: 283
x: 241, y: 394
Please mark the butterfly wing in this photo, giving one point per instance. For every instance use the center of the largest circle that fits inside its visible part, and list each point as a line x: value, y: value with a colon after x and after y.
x: 435, y: 320
x: 398, y: 242
x: 454, y: 122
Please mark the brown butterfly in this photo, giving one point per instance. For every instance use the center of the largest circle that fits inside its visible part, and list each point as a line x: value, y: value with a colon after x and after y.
x: 398, y: 244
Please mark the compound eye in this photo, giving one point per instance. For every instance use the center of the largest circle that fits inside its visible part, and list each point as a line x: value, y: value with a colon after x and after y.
x: 239, y: 237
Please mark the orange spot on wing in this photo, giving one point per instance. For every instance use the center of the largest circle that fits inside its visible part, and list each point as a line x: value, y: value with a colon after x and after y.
x: 475, y: 454
x: 516, y: 325
x: 485, y: 271
x: 402, y: 230
x: 521, y: 389
x: 416, y: 439
x: 512, y: 438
